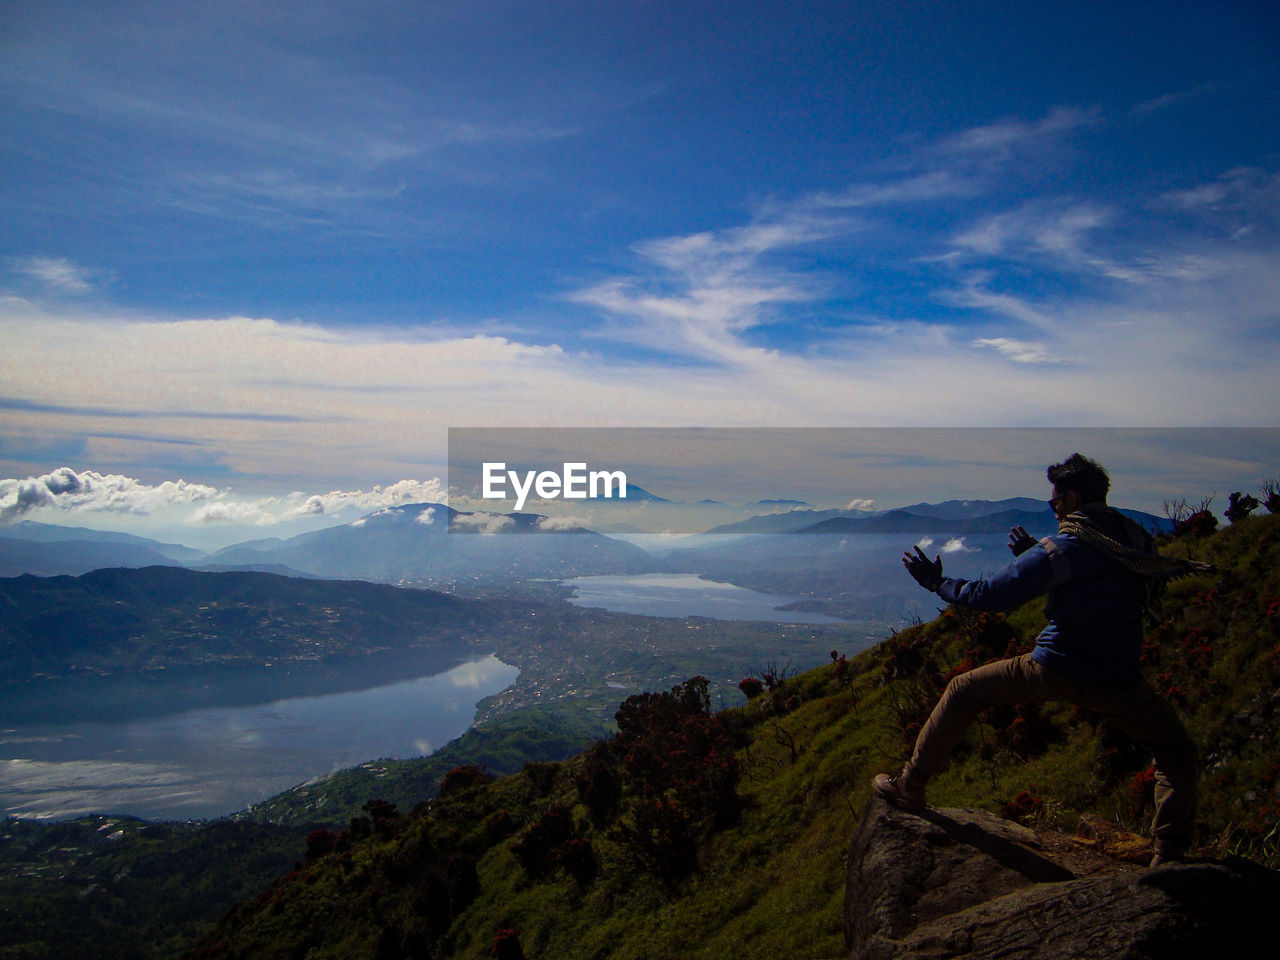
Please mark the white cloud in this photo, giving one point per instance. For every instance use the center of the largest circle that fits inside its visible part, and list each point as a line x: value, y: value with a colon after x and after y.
x: 552, y: 524
x: 1005, y: 136
x: 484, y: 522
x: 1019, y: 351
x: 1052, y: 233
x: 56, y: 272
x: 66, y: 489
x: 392, y: 495
x: 860, y: 503
x: 1156, y: 331
x: 232, y: 511
x: 426, y: 517
x: 69, y: 491
x: 955, y: 545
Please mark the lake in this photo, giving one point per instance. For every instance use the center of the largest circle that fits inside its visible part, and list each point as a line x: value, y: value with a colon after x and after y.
x: 685, y: 595
x: 214, y: 761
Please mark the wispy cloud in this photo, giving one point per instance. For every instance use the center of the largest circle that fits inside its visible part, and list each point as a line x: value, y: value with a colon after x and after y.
x: 1020, y: 351
x: 1178, y: 98
x: 839, y: 306
x: 57, y: 273
x: 1003, y: 138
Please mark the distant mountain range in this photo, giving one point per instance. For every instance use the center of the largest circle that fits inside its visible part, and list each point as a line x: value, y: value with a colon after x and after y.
x: 433, y: 544
x: 948, y: 517
x: 48, y: 550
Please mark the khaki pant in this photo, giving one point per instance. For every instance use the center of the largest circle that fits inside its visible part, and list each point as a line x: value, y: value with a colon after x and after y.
x: 1138, y: 710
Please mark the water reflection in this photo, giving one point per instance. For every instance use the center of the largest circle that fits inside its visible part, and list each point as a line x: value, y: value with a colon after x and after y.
x: 211, y: 762
x: 685, y: 595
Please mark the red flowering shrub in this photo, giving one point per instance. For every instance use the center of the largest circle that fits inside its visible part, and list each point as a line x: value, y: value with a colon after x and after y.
x: 1197, y: 652
x: 1198, y: 524
x: 1022, y: 806
x: 666, y: 779
x: 320, y: 843
x: 1143, y: 785
x: 1171, y: 691
x: 751, y: 687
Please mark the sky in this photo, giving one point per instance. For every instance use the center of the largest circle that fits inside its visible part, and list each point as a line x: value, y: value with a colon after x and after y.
x: 257, y: 258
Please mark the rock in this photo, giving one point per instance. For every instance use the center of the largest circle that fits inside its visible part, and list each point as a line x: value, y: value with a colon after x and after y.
x: 1110, y: 840
x: 966, y: 884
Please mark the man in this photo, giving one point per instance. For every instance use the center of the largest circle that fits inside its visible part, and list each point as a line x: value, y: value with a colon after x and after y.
x: 1099, y: 572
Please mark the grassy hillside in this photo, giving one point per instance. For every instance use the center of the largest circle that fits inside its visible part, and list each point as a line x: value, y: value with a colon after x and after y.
x: 501, y: 746
x: 695, y: 834
x: 116, y: 888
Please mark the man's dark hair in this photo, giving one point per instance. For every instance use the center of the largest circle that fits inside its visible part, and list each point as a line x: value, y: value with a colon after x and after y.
x: 1080, y: 474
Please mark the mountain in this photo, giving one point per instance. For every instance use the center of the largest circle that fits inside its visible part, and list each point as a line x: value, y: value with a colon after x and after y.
x: 126, y: 642
x: 968, y: 509
x: 73, y: 557
x: 1039, y: 523
x: 433, y: 543
x: 47, y: 550
x: 789, y: 521
x: 700, y: 834
x: 52, y: 533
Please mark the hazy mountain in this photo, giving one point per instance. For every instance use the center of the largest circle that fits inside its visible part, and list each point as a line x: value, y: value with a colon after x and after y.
x: 52, y: 533
x: 73, y: 557
x: 636, y: 493
x: 48, y: 550
x: 790, y: 521
x: 966, y: 517
x: 124, y: 642
x: 163, y: 617
x: 1039, y: 524
x: 966, y: 509
x: 433, y: 543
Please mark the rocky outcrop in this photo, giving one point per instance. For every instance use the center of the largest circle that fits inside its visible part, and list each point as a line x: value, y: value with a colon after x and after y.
x: 967, y: 884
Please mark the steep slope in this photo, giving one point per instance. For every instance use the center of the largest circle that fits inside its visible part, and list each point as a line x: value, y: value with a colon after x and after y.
x: 703, y: 835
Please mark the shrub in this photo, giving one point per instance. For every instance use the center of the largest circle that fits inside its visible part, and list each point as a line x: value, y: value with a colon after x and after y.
x: 1240, y: 505
x: 320, y: 843
x: 1021, y: 807
x: 1270, y: 491
x: 506, y: 946
x: 460, y: 778
x: 536, y: 851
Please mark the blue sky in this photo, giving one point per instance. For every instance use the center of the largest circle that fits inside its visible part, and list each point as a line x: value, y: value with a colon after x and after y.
x: 274, y: 247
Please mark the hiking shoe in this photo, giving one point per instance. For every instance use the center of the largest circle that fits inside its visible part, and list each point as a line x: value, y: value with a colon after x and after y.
x: 899, y: 791
x: 1168, y: 853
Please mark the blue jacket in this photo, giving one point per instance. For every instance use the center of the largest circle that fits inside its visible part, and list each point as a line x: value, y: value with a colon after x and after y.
x: 1094, y: 607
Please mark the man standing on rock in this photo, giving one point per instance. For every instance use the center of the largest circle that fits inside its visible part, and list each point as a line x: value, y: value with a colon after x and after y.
x: 1099, y: 573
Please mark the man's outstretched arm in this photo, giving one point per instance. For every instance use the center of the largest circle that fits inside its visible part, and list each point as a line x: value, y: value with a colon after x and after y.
x: 926, y: 572
x: 1029, y: 576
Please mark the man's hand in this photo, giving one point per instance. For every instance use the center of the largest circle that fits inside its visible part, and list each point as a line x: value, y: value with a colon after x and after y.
x: 1020, y: 541
x: 926, y: 572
